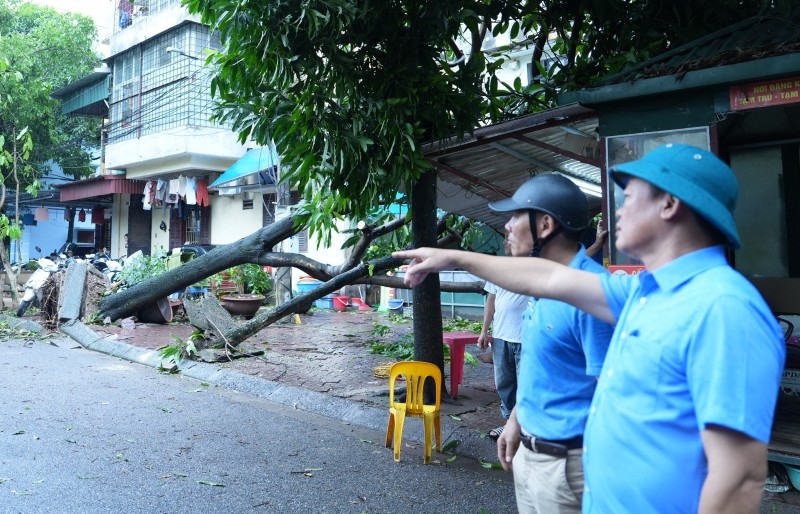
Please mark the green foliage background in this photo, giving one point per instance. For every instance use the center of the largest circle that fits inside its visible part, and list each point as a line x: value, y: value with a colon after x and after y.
x: 350, y: 90
x: 44, y: 50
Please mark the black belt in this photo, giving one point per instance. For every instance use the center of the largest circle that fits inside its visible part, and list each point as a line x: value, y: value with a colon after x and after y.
x: 555, y: 448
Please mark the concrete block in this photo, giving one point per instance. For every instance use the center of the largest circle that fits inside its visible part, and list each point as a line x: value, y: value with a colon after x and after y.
x: 73, y: 292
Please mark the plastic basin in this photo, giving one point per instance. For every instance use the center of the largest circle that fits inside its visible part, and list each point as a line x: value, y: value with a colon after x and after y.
x: 306, y: 286
x: 340, y: 303
x: 396, y: 306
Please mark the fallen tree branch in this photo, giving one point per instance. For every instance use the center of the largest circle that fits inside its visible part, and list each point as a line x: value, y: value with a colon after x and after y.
x: 302, y: 302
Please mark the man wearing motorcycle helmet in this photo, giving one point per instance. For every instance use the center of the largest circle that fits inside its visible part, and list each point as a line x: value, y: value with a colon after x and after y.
x: 562, y: 352
x: 683, y: 411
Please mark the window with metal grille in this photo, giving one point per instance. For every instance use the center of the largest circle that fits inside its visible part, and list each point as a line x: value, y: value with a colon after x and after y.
x: 302, y: 241
x: 268, y: 217
x: 194, y: 221
x: 155, y: 90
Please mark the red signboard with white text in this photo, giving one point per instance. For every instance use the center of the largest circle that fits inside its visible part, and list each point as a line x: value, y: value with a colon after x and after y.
x: 765, y: 94
x: 624, y: 269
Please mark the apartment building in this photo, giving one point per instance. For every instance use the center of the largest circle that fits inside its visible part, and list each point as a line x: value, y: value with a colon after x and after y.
x: 155, y: 98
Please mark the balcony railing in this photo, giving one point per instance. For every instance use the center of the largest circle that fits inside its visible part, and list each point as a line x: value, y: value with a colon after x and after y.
x: 129, y: 12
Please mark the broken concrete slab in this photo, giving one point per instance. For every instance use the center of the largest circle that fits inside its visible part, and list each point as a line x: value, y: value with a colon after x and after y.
x: 24, y: 324
x: 210, y: 317
x: 74, y: 284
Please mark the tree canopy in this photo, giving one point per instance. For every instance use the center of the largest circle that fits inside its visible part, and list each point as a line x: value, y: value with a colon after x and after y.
x: 349, y: 90
x: 45, y: 50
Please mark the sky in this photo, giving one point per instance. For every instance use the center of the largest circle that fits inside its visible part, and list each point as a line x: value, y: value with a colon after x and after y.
x: 102, y: 11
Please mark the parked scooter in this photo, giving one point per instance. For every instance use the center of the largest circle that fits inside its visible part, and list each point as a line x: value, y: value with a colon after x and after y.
x: 112, y: 270
x: 33, y: 287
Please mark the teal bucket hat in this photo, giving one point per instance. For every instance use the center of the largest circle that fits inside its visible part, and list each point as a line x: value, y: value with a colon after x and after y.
x: 696, y: 177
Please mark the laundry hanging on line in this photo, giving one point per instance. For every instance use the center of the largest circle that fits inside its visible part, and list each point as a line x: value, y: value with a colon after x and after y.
x: 160, y: 193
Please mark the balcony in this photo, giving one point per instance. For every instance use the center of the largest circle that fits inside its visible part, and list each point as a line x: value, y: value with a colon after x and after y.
x: 139, y: 21
x: 128, y: 13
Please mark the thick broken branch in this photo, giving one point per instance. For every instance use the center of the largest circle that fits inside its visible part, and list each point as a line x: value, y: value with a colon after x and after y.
x: 256, y: 248
x: 325, y: 272
x: 248, y: 249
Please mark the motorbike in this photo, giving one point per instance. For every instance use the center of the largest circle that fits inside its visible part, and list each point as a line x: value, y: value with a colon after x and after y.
x: 111, y: 270
x: 33, y: 287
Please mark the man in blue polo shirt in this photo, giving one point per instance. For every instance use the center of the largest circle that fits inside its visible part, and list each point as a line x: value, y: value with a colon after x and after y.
x: 562, y: 352
x: 683, y: 410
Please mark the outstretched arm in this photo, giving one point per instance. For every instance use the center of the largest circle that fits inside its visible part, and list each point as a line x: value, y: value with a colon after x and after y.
x: 536, y: 277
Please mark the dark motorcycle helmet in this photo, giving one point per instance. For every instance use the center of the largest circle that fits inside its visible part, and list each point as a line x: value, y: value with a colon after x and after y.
x: 552, y: 194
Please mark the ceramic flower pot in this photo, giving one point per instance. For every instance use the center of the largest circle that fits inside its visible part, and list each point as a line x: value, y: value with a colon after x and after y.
x: 245, y: 305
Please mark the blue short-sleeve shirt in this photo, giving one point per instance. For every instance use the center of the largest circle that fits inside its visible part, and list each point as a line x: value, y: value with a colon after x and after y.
x: 562, y: 352
x: 695, y: 345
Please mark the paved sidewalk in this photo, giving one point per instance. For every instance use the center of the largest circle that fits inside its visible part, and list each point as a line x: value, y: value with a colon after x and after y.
x: 324, y: 365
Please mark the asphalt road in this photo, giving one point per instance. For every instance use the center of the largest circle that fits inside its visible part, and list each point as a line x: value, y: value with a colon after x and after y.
x: 85, y: 432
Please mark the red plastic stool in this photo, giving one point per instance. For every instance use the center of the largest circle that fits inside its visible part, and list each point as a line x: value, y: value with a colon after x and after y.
x: 457, y: 341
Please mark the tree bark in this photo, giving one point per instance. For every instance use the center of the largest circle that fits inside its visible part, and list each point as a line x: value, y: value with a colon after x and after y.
x: 11, y: 274
x: 427, y: 307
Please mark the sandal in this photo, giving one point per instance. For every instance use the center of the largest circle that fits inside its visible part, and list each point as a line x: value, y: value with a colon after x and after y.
x: 494, y: 434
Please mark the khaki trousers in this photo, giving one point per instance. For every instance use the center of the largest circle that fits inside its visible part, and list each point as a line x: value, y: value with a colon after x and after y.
x: 548, y: 485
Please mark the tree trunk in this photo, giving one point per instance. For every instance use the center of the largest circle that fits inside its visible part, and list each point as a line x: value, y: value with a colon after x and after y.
x: 248, y: 249
x: 427, y: 296
x: 255, y: 248
x: 12, y: 276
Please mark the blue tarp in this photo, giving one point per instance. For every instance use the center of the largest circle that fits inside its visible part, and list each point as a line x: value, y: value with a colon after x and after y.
x: 260, y: 163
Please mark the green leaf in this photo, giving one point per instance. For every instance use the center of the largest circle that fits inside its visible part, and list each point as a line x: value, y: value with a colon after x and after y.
x: 490, y: 465
x: 450, y: 445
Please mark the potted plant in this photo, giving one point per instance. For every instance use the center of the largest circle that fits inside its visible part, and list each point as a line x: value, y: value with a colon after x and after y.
x: 251, y: 283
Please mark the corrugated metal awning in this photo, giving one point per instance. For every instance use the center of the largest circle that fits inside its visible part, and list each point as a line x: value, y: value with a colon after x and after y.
x: 90, y: 101
x: 99, y: 186
x: 87, y: 96
x: 491, y: 163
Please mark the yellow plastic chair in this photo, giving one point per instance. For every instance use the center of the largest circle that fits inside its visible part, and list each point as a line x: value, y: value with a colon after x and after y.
x: 415, y: 373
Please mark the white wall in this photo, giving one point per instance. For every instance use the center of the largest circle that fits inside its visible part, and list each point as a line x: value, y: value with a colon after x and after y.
x: 229, y: 222
x: 333, y: 255
x: 119, y: 225
x: 174, y: 152
x: 146, y: 27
